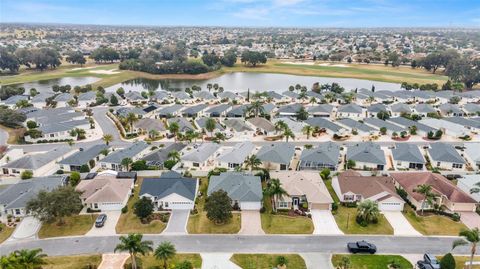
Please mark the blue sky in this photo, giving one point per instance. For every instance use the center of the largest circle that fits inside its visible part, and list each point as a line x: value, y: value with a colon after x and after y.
x: 300, y: 13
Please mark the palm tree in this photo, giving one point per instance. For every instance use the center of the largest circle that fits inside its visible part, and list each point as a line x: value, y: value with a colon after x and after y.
x: 152, y: 134
x: 219, y: 137
x: 253, y: 162
x: 428, y: 196
x: 107, y: 138
x: 165, y: 251
x: 209, y: 86
x: 280, y: 125
x: 8, y: 262
x: 301, y: 114
x: 131, y: 118
x: 287, y: 133
x: 173, y: 128
x: 126, y: 162
x: 133, y: 244
x: 469, y: 237
x: 313, y: 100
x: 476, y: 188
x: 210, y: 125
x: 307, y: 129
x: 368, y: 211
x: 256, y: 107
x: 30, y: 259
x: 274, y: 190
x: 174, y: 155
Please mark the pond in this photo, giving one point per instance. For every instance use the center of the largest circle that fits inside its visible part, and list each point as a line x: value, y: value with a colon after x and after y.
x: 46, y: 85
x: 242, y: 81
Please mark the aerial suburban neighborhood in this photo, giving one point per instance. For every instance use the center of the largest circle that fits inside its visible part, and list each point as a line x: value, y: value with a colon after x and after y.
x: 273, y: 142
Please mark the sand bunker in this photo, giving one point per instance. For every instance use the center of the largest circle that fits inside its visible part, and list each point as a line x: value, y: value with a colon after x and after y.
x: 106, y: 72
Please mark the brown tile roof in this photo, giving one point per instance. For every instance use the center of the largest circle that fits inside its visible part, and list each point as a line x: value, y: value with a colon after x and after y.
x: 305, y: 183
x: 105, y: 189
x: 367, y: 186
x: 440, y: 185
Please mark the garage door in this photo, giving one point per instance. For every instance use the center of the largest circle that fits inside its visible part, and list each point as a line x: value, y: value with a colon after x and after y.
x: 390, y: 206
x: 321, y: 206
x: 250, y: 205
x: 111, y: 206
x: 180, y: 205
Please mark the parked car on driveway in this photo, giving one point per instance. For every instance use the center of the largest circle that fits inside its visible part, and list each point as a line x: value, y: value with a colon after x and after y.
x: 100, y: 221
x: 429, y: 262
x: 361, y: 246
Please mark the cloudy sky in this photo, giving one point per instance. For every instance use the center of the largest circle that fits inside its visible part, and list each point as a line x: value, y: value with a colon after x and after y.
x: 300, y: 13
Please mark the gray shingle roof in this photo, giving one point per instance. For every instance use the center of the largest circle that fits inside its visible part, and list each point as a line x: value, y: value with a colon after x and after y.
x: 55, y: 127
x: 169, y: 183
x: 83, y: 157
x: 406, y: 123
x: 183, y: 123
x: 375, y: 108
x: 408, y: 153
x: 378, y: 123
x: 217, y: 110
x: 159, y: 156
x: 323, y: 108
x: 237, y: 111
x: 35, y: 161
x: 239, y: 187
x: 463, y: 121
x: 204, y: 95
x: 350, y: 108
x: 444, y: 153
x: 202, y: 122
x: 202, y: 153
x: 166, y: 110
x: 63, y: 97
x: 367, y: 152
x: 353, y: 124
x: 192, y: 110
x: 425, y: 108
x: 238, y: 125
x: 130, y: 152
x: 87, y: 96
x: 277, y: 153
x: 326, y: 153
x: 323, y: 123
x: 238, y: 153
x: 292, y: 109
x: 400, y: 108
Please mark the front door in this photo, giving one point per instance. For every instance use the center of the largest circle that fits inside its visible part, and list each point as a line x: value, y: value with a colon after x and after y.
x: 295, y: 201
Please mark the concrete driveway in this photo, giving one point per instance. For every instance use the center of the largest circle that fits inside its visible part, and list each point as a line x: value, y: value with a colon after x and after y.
x: 113, y: 260
x: 470, y: 219
x: 217, y: 261
x: 109, y: 227
x: 177, y: 224
x: 324, y: 222
x: 251, y: 223
x: 400, y: 224
x: 27, y: 229
x: 317, y: 260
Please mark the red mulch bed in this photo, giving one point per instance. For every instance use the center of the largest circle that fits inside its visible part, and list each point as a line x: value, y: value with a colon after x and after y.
x: 401, y: 138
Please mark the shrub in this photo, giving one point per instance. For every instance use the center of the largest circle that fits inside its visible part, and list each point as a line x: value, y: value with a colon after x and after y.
x: 168, y: 164
x: 263, y: 209
x: 26, y: 174
x: 89, y: 210
x: 184, y: 265
x: 281, y: 260
x: 143, y: 208
x: 84, y: 169
x: 74, y: 178
x: 447, y: 262
x: 124, y: 210
x: 59, y: 172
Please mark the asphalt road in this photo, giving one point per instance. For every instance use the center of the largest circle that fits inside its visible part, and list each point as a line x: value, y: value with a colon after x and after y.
x: 244, y: 244
x: 3, y: 137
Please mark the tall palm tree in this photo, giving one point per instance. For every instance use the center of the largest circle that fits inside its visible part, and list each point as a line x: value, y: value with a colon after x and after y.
x: 165, y: 251
x: 133, y: 244
x: 253, y: 162
x: 174, y: 155
x: 256, y: 107
x: 209, y: 86
x: 275, y: 190
x: 469, y: 237
x: 428, y: 196
x: 173, y: 128
x: 126, y: 162
x: 368, y: 211
x: 30, y: 259
x: 307, y: 129
x: 287, y: 133
x: 280, y: 125
x: 107, y: 138
x: 210, y: 125
x: 313, y: 100
x: 131, y: 118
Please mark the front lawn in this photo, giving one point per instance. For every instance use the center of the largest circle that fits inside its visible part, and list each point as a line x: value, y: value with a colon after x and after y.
x: 461, y: 260
x: 282, y: 224
x: 433, y: 224
x: 73, y: 262
x: 257, y: 261
x: 5, y: 232
x: 200, y: 224
x: 74, y: 225
x: 130, y: 223
x: 345, y: 218
x: 149, y: 260
x: 372, y: 261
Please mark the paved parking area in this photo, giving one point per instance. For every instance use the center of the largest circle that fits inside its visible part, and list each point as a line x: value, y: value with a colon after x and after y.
x: 113, y: 260
x: 251, y: 222
x: 177, y: 224
x: 470, y: 219
x: 324, y: 222
x: 109, y: 227
x: 400, y: 224
x: 217, y: 261
x: 27, y: 229
x: 317, y: 260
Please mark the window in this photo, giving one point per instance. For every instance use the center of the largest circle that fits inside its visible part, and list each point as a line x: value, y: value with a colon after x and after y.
x: 457, y: 165
x: 283, y: 204
x: 17, y: 211
x: 438, y: 163
x: 196, y: 165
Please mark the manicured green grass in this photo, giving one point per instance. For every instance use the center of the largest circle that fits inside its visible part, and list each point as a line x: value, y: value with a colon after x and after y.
x: 200, y: 224
x: 328, y: 184
x: 130, y: 223
x: 460, y: 261
x: 72, y: 262
x: 345, y: 218
x: 14, y: 134
x: 433, y: 225
x: 281, y: 224
x: 267, y: 261
x: 372, y: 261
x: 74, y: 225
x: 5, y: 232
x: 149, y: 260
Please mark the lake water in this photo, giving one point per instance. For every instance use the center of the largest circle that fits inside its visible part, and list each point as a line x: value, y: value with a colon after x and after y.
x: 242, y: 81
x: 46, y: 85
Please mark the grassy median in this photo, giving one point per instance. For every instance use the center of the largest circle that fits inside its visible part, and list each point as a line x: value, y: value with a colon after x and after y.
x: 72, y: 262
x: 371, y: 261
x: 254, y: 261
x: 149, y: 261
x: 5, y: 232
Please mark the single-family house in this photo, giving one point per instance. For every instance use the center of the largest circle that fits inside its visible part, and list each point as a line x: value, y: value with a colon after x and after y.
x: 424, y: 109
x: 235, y: 156
x: 467, y: 183
x: 158, y: 157
x: 88, y: 158
x: 218, y: 111
x: 445, y: 156
x: 322, y: 110
x: 169, y: 111
x: 325, y: 155
x: 472, y: 155
x: 367, y: 155
x: 244, y: 190
x: 447, y: 127
x: 357, y: 126
x: 262, y: 126
x: 407, y: 156
x: 277, y: 156
x: 352, y: 111
x: 200, y: 157
x: 194, y: 111
x: 399, y: 109
x: 114, y: 160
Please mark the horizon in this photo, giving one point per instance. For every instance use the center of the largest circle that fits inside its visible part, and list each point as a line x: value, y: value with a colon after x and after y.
x: 247, y: 13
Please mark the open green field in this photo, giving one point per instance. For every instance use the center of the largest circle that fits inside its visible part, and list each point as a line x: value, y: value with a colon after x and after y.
x: 340, y: 70
x: 433, y: 225
x: 74, y: 225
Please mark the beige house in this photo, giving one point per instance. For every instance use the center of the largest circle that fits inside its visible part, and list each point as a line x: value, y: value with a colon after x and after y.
x: 106, y: 191
x: 447, y: 194
x: 304, y: 188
